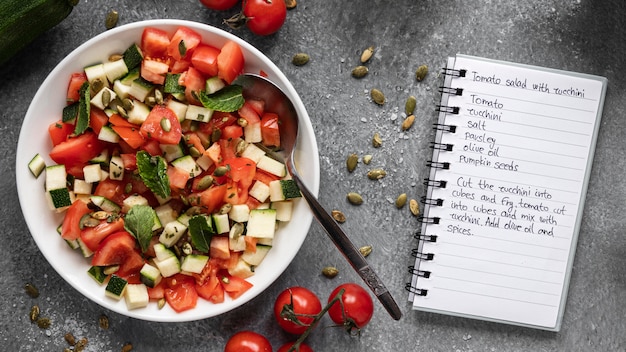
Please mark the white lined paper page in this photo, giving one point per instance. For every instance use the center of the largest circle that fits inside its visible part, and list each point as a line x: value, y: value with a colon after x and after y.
x: 519, y: 167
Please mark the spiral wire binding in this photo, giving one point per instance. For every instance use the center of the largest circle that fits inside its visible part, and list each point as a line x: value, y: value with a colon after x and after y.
x: 446, y: 147
x: 451, y: 91
x: 431, y: 201
x: 445, y: 128
x: 426, y: 238
x: 435, y: 183
x: 429, y: 220
x: 453, y: 72
x: 422, y: 256
x: 448, y: 109
x: 422, y: 273
x: 438, y: 164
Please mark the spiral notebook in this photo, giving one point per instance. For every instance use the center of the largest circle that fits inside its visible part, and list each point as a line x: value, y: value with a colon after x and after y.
x: 504, y: 202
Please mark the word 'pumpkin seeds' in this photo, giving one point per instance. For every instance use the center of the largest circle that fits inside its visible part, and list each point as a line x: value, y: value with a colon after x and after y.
x: 376, y: 174
x: 365, y: 250
x: 111, y: 20
x: 409, y: 105
x: 352, y: 161
x: 401, y: 200
x: 377, y: 96
x: 300, y: 59
x: 366, y: 55
x: 377, y: 141
x: 338, y: 215
x: 421, y: 72
x: 354, y: 198
x: 414, y: 207
x: 360, y: 71
x: 408, y: 122
x: 330, y: 272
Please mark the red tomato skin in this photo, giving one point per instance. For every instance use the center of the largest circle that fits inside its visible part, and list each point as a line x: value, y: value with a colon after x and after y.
x: 191, y: 39
x: 194, y: 82
x: 77, y: 150
x: 180, y: 292
x: 265, y: 17
x: 204, y: 59
x: 304, y: 301
x: 154, y: 42
x: 113, y: 249
x: 93, y: 236
x: 70, y: 229
x: 248, y: 341
x: 219, y: 5
x: 152, y: 129
x: 303, y: 347
x: 97, y: 119
x: 76, y: 81
x: 357, y: 304
x: 59, y: 132
x: 270, y: 131
x: 230, y: 62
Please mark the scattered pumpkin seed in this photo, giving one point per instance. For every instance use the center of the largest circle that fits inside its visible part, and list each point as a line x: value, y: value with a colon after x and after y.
x: 330, y: 272
x: 366, y: 55
x: 44, y: 323
x: 291, y: 4
x: 300, y: 59
x: 360, y: 71
x: 421, y: 72
x: 338, y: 215
x: 88, y: 221
x: 97, y: 85
x: 365, y: 250
x: 111, y: 269
x: 103, y: 320
x: 116, y: 57
x: 111, y: 19
x: 408, y: 122
x: 205, y: 182
x: 127, y: 347
x: 367, y: 159
x: 242, y: 122
x: 377, y: 96
x: 187, y: 249
x: 31, y: 290
x: 401, y: 200
x: 377, y: 141
x: 166, y: 124
x: 193, y: 151
x: 225, y: 209
x: 80, y: 345
x: 414, y: 207
x: 34, y: 313
x: 236, y: 230
x: 352, y: 161
x: 106, y: 97
x: 354, y: 198
x: 376, y: 174
x: 221, y: 170
x: 100, y: 215
x: 161, y: 303
x: 240, y: 147
x: 216, y: 135
x: 122, y: 112
x: 70, y: 339
x: 409, y: 106
x: 67, y: 349
x: 128, y: 104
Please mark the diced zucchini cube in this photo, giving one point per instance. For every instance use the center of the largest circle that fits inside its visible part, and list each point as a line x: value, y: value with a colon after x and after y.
x: 283, y: 210
x: 122, y: 90
x: 140, y: 89
x: 105, y: 204
x: 262, y: 223
x: 108, y: 135
x: 93, y: 173
x: 283, y: 190
x: 86, y: 252
x: 241, y: 269
x: 133, y: 200
x: 204, y: 162
x: 260, y: 191
x: 194, y: 263
x: 198, y: 113
x: 169, y: 266
x: 98, y: 100
x: 95, y: 72
x: 221, y: 223
x: 116, y: 168
x: 252, y: 133
x: 188, y: 165
x: 136, y: 296
x: 139, y: 113
x: 172, y: 151
x: 59, y: 198
x: 97, y: 273
x: 162, y: 252
x: 56, y: 177
x: 214, y: 84
x: 255, y: 258
x: 150, y: 275
x: 239, y: 213
x: 172, y: 232
x: 272, y: 166
x: 82, y: 187
x: 133, y: 56
x: 36, y: 165
x: 179, y: 109
x: 115, y: 69
x: 253, y: 153
x: 116, y: 287
x: 165, y: 213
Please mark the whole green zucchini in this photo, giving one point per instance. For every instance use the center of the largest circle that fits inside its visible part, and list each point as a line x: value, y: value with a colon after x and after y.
x: 21, y: 21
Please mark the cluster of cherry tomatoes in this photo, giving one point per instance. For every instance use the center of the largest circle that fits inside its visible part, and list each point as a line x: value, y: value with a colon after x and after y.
x: 262, y: 17
x: 297, y: 310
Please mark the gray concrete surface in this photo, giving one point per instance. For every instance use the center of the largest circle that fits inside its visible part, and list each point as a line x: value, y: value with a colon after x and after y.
x: 578, y: 35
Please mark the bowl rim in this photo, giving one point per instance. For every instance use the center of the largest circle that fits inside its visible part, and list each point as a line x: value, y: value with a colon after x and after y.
x: 23, y: 183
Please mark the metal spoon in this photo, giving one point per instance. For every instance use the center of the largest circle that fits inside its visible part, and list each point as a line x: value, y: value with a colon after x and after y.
x: 277, y: 102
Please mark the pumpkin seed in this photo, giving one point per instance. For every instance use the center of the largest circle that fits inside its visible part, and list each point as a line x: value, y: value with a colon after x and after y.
x: 290, y: 4
x: 330, y: 272
x: 409, y: 106
x: 338, y: 215
x: 367, y: 159
x: 116, y: 57
x: 111, y: 19
x: 377, y: 141
x: 31, y: 290
x: 352, y: 161
x: 365, y: 250
x: 97, y: 85
x: 127, y: 347
x: 414, y: 207
x: 242, y: 122
x: 80, y: 345
x: 194, y: 152
x: 205, y: 182
x: 360, y: 71
x: 187, y: 249
x: 366, y: 55
x: 376, y: 174
x: 166, y: 124
x: 401, y: 200
x: 300, y: 59
x: 111, y: 269
x: 34, y: 313
x: 408, y: 122
x: 225, y: 209
x: 221, y: 170
x: 88, y: 221
x: 70, y: 339
x: 44, y: 323
x: 128, y: 104
x: 122, y: 112
x: 100, y: 215
x: 236, y: 230
x: 158, y: 96
x: 354, y: 198
x: 161, y: 303
x: 377, y: 96
x: 103, y: 321
x: 421, y: 72
x: 106, y: 97
x: 216, y: 135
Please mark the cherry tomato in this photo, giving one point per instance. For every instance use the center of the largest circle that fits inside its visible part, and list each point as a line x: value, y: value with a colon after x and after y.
x: 300, y: 301
x: 264, y: 17
x: 303, y: 347
x: 219, y: 5
x: 248, y: 341
x: 358, y: 306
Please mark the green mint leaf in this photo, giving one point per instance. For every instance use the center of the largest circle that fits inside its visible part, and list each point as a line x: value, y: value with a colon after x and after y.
x: 139, y: 221
x: 84, y: 109
x: 201, y: 232
x: 227, y: 99
x: 153, y: 172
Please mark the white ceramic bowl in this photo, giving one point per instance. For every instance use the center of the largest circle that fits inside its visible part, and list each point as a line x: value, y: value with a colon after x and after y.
x: 46, y: 108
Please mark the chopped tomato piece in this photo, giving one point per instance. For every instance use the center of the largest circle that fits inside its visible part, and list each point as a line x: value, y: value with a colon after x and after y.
x: 230, y: 62
x: 270, y: 133
x: 112, y: 190
x: 130, y: 161
x: 213, y: 198
x: 154, y: 71
x: 250, y: 243
x: 248, y: 113
x: 92, y: 236
x: 190, y: 40
x: 113, y: 249
x: 219, y: 247
x: 130, y: 135
x: 232, y: 132
x: 204, y: 59
x: 242, y: 170
x: 228, y: 149
x: 76, y: 151
x: 180, y: 292
x: 118, y: 120
x: 157, y: 292
x: 207, y: 289
x: 194, y: 82
x: 153, y: 147
x: 162, y: 125
x: 214, y: 152
x: 97, y: 119
x: 70, y: 229
x: 193, y: 140
x: 76, y: 81
x: 154, y: 42
x: 178, y: 178
x: 265, y: 176
x: 234, y: 286
x: 235, y: 193
x: 257, y: 105
x: 59, y: 131
x: 131, y: 265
